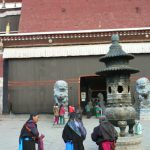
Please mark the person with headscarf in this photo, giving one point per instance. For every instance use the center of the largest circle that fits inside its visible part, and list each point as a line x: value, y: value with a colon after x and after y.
x: 61, y: 114
x: 78, y: 111
x: 105, y: 135
x: 56, y: 114
x: 74, y: 132
x: 71, y: 109
x: 88, y: 110
x: 30, y: 135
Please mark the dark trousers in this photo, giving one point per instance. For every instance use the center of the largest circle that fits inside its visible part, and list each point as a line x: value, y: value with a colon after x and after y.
x: 29, y: 145
x: 88, y: 114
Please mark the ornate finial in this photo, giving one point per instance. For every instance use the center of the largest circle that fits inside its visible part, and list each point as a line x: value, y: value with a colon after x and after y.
x: 3, y: 5
x: 115, y: 38
x: 8, y: 28
x: 15, y: 5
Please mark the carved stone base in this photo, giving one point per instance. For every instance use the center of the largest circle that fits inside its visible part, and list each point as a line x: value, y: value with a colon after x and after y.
x: 1, y: 109
x: 66, y: 114
x: 1, y: 105
x: 129, y: 143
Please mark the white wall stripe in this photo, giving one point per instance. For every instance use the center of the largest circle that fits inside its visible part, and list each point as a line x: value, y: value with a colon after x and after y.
x: 10, y: 13
x: 11, y: 5
x: 76, y: 50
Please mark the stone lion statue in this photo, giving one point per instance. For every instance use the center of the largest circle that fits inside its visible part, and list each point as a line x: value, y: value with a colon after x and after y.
x: 61, y: 92
x: 143, y: 90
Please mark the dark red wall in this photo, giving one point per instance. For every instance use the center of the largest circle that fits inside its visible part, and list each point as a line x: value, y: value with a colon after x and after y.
x: 57, y: 15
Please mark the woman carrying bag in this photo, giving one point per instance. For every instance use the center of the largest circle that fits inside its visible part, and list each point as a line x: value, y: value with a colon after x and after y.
x: 29, y: 135
x: 74, y: 133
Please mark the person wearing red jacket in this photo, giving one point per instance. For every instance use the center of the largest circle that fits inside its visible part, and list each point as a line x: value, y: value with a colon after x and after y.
x: 61, y: 114
x: 71, y: 109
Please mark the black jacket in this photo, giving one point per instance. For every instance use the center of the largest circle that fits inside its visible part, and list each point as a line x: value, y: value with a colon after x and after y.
x: 70, y: 135
x: 104, y: 132
x: 29, y: 125
x: 29, y: 130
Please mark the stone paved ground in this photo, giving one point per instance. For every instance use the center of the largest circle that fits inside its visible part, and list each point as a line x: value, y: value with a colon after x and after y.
x: 11, y: 125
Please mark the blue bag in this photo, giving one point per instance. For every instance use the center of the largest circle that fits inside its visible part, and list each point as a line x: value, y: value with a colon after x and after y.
x: 69, y: 146
x: 20, y: 144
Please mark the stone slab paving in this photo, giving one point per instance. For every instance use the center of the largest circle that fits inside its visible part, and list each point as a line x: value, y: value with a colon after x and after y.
x: 10, y: 126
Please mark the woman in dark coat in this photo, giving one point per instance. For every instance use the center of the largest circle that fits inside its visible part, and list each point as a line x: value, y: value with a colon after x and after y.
x: 105, y: 134
x: 29, y: 134
x: 74, y: 132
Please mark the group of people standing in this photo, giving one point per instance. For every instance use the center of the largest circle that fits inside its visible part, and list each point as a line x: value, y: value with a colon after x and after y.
x: 104, y: 135
x: 59, y: 113
x: 74, y: 133
x: 93, y: 108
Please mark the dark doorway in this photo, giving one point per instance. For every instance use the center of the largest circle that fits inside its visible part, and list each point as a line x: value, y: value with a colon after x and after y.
x: 90, y: 87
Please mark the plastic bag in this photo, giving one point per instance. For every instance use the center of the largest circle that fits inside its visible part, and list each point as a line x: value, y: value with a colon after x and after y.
x: 69, y: 146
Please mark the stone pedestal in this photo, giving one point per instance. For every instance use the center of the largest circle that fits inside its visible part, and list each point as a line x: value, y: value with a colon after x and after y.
x: 130, y: 143
x: 66, y: 113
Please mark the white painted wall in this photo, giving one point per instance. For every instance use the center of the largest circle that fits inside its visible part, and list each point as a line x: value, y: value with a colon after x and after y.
x: 73, y: 50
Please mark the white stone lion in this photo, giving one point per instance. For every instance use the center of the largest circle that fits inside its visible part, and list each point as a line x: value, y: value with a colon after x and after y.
x: 61, y: 92
x: 143, y: 90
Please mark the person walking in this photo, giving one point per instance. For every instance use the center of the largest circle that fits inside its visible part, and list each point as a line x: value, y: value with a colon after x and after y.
x: 79, y: 111
x: 74, y: 133
x: 71, y: 109
x: 56, y: 114
x: 98, y: 111
x: 61, y: 114
x: 88, y: 110
x: 105, y: 135
x: 30, y: 135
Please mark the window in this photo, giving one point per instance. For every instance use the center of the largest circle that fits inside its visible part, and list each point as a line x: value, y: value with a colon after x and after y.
x: 109, y: 89
x: 120, y: 89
